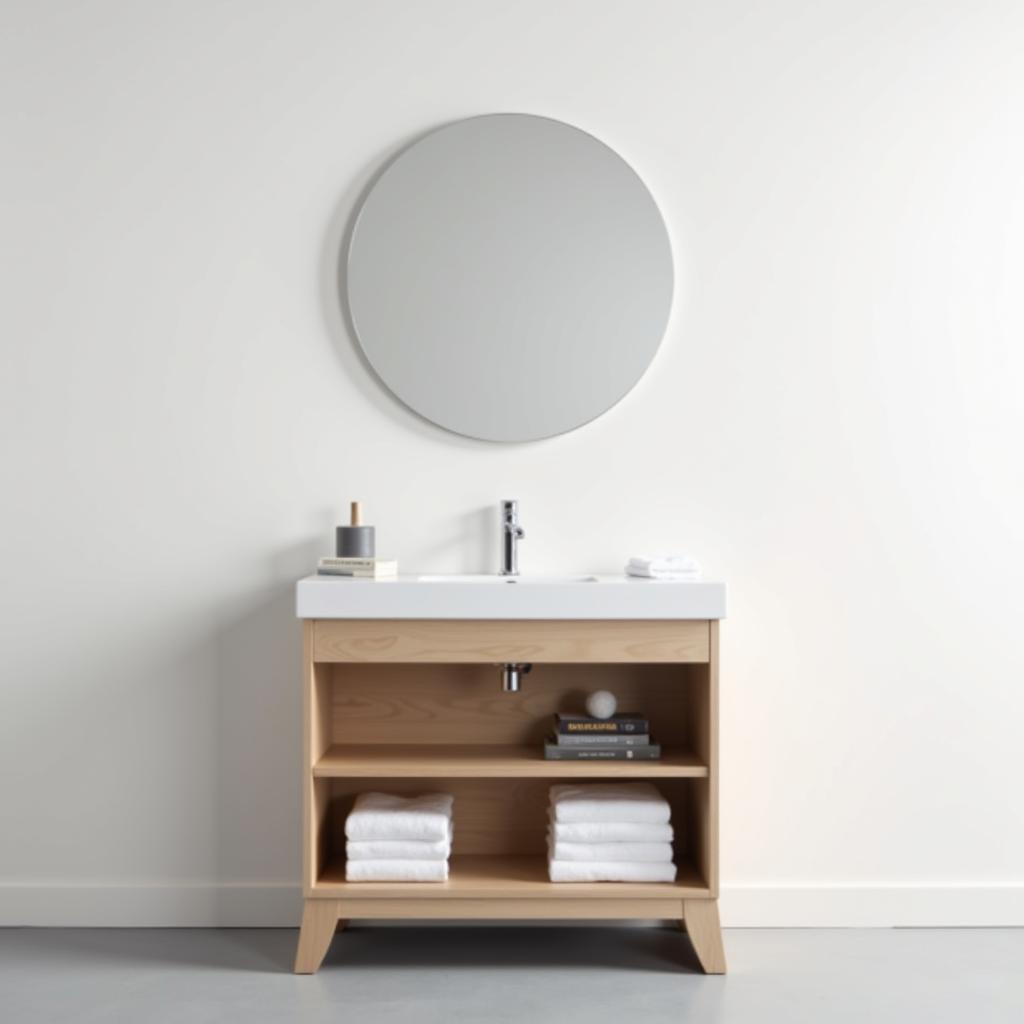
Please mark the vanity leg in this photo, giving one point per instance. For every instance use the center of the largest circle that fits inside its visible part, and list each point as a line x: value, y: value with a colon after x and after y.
x: 319, y: 921
x: 700, y: 919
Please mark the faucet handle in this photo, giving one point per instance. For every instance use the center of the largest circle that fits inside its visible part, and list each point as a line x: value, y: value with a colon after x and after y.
x: 510, y: 509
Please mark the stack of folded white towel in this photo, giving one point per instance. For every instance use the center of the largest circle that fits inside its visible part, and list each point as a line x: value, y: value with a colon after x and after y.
x: 664, y: 567
x: 399, y: 839
x: 603, y: 832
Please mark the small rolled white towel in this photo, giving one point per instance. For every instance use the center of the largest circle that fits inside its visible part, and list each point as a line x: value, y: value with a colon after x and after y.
x: 609, y: 871
x: 666, y: 563
x: 399, y: 849
x: 396, y: 871
x: 639, y: 853
x: 664, y: 567
x: 425, y: 818
x: 610, y: 832
x: 637, y: 802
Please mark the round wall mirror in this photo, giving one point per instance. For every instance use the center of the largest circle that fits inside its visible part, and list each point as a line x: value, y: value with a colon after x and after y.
x: 509, y: 277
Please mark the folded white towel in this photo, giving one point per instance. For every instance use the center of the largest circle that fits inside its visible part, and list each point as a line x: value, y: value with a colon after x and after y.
x: 658, y: 574
x: 399, y: 849
x: 639, y: 853
x: 424, y: 818
x: 609, y: 871
x: 396, y: 871
x: 664, y: 563
x: 610, y: 832
x: 626, y: 802
x: 664, y: 567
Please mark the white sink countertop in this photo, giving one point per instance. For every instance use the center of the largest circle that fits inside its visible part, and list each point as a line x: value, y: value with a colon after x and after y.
x: 575, y: 596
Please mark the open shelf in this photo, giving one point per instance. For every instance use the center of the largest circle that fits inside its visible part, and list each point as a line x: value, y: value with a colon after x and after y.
x: 512, y: 877
x: 429, y: 760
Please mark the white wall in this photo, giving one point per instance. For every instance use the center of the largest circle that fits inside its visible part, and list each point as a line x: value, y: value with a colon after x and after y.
x: 832, y: 425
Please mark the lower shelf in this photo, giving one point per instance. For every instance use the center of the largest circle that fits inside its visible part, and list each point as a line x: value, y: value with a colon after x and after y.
x: 507, y: 877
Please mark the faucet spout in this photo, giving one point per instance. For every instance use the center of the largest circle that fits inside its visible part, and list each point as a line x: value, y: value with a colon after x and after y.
x: 511, y: 533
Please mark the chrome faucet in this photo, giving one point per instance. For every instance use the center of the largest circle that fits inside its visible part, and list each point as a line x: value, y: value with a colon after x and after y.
x: 511, y: 534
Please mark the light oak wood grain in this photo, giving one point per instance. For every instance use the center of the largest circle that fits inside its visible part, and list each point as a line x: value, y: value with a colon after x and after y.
x: 485, y: 641
x: 509, y: 878
x: 707, y: 747
x: 389, y: 706
x: 320, y: 920
x: 491, y: 760
x: 518, y: 909
x: 445, y: 704
x: 316, y: 696
x: 700, y: 919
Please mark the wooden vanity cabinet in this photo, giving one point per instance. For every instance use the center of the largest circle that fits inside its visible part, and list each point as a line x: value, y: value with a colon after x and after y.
x: 407, y: 706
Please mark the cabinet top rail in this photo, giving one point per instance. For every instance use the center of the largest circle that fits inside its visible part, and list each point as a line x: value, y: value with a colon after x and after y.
x: 542, y: 641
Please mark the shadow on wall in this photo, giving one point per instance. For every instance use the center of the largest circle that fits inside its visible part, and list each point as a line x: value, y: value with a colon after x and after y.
x: 177, y: 772
x: 259, y: 738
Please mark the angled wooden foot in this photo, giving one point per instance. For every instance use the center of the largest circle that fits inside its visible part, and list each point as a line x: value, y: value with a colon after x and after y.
x: 319, y: 922
x: 700, y: 919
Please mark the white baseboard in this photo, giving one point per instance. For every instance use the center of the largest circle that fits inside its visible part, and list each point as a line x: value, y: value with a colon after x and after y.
x: 279, y: 905
x: 872, y: 906
x: 152, y: 905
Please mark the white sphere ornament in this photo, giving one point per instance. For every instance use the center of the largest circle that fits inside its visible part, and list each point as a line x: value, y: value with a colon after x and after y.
x: 601, y: 704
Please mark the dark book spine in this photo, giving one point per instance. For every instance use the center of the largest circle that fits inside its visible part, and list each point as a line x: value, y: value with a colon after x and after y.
x: 632, y: 739
x: 603, y: 726
x: 648, y: 752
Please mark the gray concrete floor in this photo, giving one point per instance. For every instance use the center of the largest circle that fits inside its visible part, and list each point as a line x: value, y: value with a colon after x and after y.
x: 422, y: 975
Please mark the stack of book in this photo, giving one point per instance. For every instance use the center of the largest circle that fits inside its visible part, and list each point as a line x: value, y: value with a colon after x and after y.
x: 623, y: 737
x: 358, y: 568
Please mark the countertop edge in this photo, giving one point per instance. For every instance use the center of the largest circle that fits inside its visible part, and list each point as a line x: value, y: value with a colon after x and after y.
x: 389, y: 599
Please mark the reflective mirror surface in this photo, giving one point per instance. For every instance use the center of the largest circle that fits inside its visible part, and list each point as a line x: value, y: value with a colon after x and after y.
x: 509, y: 277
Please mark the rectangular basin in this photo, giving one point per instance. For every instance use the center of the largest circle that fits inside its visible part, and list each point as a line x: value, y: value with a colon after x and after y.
x: 484, y: 578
